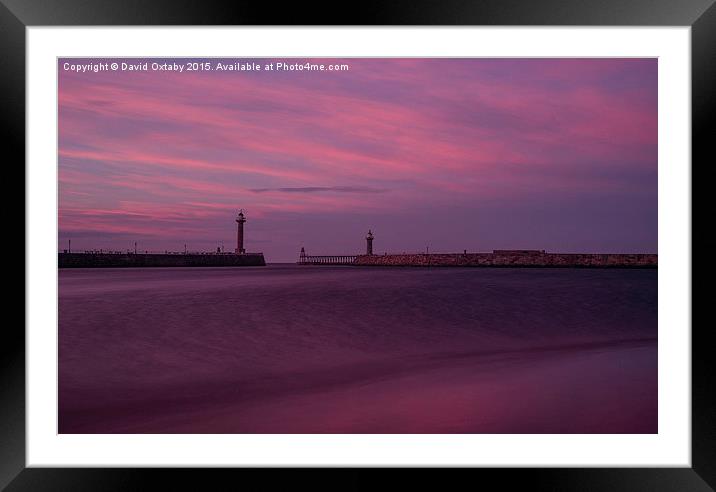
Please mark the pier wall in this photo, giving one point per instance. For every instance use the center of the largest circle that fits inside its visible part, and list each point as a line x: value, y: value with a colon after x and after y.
x: 105, y: 260
x: 526, y: 259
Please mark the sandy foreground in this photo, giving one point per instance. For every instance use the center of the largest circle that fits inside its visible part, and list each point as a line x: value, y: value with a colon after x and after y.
x: 604, y: 387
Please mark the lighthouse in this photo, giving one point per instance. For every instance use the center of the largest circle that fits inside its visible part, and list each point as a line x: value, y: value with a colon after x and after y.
x: 240, y: 219
x: 369, y: 243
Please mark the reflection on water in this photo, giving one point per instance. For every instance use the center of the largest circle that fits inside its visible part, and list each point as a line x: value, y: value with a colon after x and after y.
x: 289, y: 348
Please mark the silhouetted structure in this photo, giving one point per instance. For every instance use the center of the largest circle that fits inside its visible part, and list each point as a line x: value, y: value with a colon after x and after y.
x: 369, y: 243
x: 118, y: 259
x: 240, y: 234
x: 513, y: 258
x: 142, y: 260
x: 518, y: 251
x: 305, y: 259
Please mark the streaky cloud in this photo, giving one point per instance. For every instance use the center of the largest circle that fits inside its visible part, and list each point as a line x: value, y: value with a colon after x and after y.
x: 323, y: 189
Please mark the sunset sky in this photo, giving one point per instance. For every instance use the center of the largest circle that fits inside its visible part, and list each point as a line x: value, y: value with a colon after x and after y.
x: 450, y: 154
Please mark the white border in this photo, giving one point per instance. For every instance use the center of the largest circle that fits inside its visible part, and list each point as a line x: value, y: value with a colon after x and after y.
x: 670, y: 447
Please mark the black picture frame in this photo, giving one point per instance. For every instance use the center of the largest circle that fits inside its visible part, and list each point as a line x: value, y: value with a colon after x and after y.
x: 700, y: 15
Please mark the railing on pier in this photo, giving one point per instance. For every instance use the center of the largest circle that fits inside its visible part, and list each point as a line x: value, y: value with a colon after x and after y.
x: 326, y: 260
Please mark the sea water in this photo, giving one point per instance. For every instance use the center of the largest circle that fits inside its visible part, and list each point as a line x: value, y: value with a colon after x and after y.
x: 331, y: 349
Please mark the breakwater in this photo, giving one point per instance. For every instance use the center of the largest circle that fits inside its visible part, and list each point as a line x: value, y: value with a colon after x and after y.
x: 114, y: 260
x: 513, y: 259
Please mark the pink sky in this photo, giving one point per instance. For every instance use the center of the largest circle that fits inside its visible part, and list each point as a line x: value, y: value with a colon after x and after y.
x: 450, y: 154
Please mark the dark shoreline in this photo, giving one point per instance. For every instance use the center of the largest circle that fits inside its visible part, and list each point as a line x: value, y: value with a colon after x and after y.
x: 141, y: 260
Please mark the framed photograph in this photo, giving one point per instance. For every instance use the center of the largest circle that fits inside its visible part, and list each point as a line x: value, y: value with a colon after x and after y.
x: 430, y: 238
